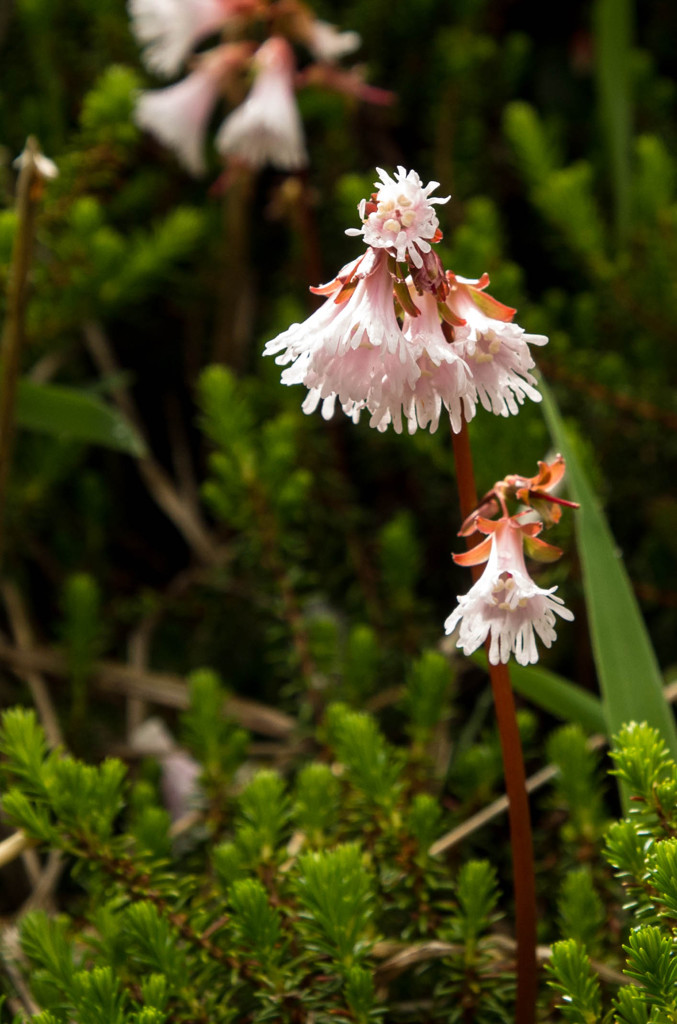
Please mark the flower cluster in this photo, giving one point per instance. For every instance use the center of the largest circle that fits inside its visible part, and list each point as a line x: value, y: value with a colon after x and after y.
x: 505, y: 606
x: 265, y: 127
x: 400, y: 337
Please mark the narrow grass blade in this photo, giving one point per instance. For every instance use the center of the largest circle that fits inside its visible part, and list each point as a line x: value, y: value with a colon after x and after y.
x: 613, y: 36
x: 628, y: 672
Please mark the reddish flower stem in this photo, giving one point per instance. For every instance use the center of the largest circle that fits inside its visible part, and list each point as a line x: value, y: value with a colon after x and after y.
x: 515, y: 779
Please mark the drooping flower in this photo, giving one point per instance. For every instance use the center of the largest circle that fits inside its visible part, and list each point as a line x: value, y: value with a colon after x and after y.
x: 266, y: 127
x: 169, y: 30
x: 505, y: 604
x: 444, y: 380
x: 400, y: 217
x: 352, y: 348
x: 495, y: 349
x: 178, y: 115
x: 326, y: 43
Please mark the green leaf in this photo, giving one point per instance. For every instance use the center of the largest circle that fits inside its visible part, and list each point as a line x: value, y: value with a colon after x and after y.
x: 73, y: 415
x: 629, y: 675
x: 612, y: 21
x: 555, y: 694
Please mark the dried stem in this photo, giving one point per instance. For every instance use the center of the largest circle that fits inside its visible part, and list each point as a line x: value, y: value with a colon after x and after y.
x: 236, y: 298
x: 515, y: 780
x: 23, y: 635
x: 163, y: 688
x: 399, y: 958
x: 13, y: 846
x: 43, y: 879
x: 182, y: 512
x: 13, y: 337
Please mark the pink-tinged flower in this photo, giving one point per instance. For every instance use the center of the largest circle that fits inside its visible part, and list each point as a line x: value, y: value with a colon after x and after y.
x: 352, y: 348
x: 496, y: 350
x: 444, y: 380
x: 266, y: 127
x: 179, y: 115
x: 326, y: 43
x: 505, y: 604
x: 400, y: 217
x: 169, y: 30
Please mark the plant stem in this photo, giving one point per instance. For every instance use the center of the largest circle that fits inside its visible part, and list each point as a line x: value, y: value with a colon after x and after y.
x: 236, y: 297
x: 28, y: 194
x: 515, y: 779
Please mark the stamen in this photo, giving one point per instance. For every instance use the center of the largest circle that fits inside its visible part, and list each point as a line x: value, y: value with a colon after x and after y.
x: 392, y: 225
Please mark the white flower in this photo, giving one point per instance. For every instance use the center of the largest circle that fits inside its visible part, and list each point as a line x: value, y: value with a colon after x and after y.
x: 326, y: 43
x: 170, y: 29
x: 45, y: 167
x: 354, y: 350
x: 178, y: 115
x: 266, y: 127
x: 401, y: 219
x: 496, y: 350
x: 505, y: 603
x: 352, y: 347
x: 445, y: 380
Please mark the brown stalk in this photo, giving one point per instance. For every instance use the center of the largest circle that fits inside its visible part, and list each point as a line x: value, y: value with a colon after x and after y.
x: 515, y: 778
x: 13, y: 337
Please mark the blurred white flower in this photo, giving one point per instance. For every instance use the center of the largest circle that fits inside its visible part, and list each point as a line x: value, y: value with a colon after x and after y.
x: 180, y: 772
x: 325, y: 42
x: 179, y: 115
x: 45, y: 167
x: 169, y: 30
x: 266, y: 127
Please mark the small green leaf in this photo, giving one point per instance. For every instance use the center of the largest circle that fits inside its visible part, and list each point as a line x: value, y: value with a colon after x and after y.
x: 73, y: 415
x: 570, y: 974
